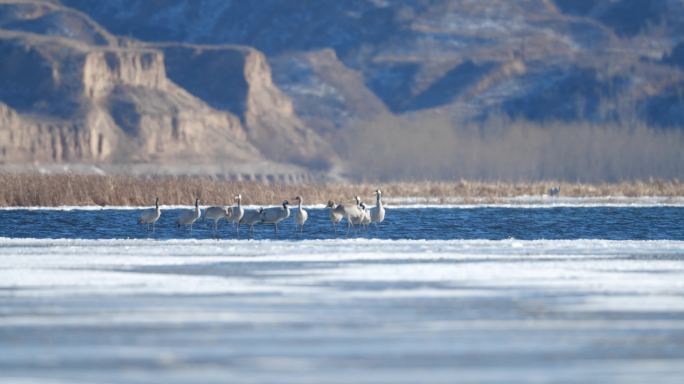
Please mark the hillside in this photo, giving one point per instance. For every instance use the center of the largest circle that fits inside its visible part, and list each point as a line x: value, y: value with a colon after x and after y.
x: 474, y: 57
x: 72, y: 92
x: 313, y: 82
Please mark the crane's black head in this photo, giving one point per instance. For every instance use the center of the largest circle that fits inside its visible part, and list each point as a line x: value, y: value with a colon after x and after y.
x: 331, y: 204
x: 285, y: 203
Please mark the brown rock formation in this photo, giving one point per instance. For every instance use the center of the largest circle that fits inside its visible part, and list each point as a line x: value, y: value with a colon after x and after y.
x: 89, y: 97
x: 238, y: 79
x: 86, y: 103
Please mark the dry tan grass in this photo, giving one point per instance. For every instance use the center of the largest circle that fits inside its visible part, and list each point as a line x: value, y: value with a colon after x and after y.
x: 55, y: 190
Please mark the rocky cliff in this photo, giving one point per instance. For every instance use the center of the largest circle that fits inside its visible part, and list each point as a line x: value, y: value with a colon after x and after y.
x: 238, y: 80
x: 86, y: 103
x: 71, y: 92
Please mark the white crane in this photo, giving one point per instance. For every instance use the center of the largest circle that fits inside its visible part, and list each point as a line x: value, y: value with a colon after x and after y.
x: 217, y: 213
x: 335, y: 214
x: 275, y: 215
x: 189, y: 217
x: 377, y: 213
x: 150, y: 216
x: 237, y: 212
x: 251, y: 217
x: 300, y: 215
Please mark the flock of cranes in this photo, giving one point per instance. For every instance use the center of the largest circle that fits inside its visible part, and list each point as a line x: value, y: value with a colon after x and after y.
x: 355, y: 214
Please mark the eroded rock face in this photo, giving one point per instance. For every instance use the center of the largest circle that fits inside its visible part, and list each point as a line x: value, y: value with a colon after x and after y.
x: 273, y: 125
x: 68, y: 102
x: 238, y: 79
x: 71, y: 92
x: 29, y: 140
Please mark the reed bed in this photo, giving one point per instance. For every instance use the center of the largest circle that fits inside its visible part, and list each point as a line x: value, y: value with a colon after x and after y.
x: 22, y: 190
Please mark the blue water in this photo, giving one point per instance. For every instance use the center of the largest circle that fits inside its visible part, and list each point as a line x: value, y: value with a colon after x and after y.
x: 615, y: 223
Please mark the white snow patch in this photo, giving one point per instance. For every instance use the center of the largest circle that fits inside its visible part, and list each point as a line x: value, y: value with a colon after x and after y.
x: 417, y: 311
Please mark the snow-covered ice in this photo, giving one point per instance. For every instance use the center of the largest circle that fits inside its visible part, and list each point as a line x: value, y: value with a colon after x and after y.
x: 356, y: 310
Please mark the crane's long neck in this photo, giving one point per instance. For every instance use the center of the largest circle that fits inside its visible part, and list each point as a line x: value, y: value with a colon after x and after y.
x: 378, y: 201
x: 156, y: 206
x: 239, y: 199
x: 300, y: 205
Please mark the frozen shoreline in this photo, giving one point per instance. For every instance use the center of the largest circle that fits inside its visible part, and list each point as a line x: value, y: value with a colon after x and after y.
x: 352, y: 245
x: 448, y: 202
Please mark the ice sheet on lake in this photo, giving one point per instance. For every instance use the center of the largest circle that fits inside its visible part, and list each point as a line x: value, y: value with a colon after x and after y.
x: 341, y: 311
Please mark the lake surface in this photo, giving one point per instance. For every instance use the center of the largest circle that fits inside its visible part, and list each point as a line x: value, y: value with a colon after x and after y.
x: 438, y: 295
x: 429, y: 223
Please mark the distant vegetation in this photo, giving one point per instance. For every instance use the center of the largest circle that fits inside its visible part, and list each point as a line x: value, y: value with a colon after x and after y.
x: 55, y: 190
x: 430, y: 147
